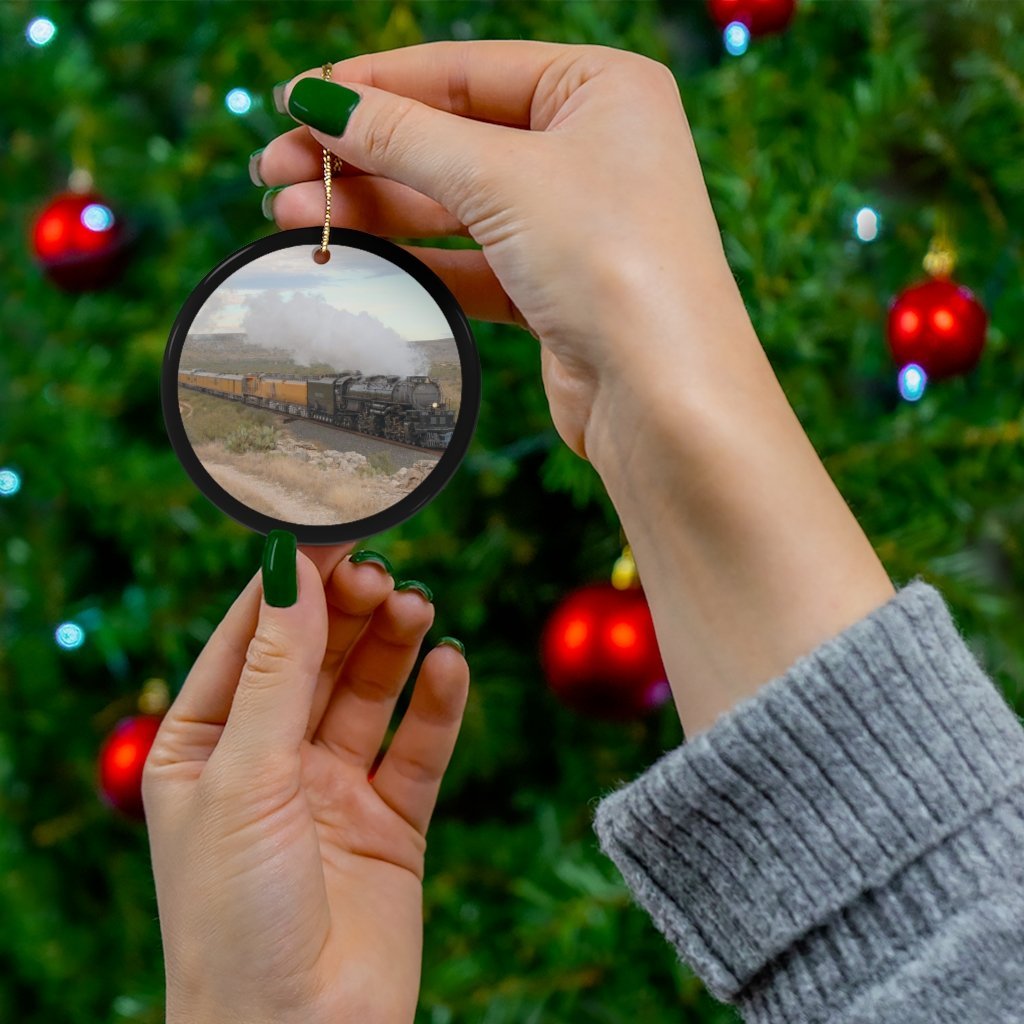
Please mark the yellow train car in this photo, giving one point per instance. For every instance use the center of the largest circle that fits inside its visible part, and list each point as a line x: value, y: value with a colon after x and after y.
x: 274, y: 389
x: 229, y: 384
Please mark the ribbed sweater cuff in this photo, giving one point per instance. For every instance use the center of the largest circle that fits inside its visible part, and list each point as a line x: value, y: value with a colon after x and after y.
x: 859, y: 770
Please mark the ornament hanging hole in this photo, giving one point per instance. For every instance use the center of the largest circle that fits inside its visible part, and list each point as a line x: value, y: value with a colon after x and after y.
x: 321, y: 256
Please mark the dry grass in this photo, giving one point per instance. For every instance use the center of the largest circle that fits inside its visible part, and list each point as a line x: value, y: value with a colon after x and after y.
x: 216, y: 419
x: 296, y: 491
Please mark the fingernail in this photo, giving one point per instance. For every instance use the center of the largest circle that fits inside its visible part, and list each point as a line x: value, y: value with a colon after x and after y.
x: 416, y: 585
x: 279, y: 96
x: 254, y: 167
x: 372, y: 556
x: 267, y: 203
x: 323, y: 105
x: 450, y: 641
x: 280, y: 577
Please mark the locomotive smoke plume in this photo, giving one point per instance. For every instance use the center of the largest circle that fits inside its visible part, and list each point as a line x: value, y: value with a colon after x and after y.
x: 314, y: 331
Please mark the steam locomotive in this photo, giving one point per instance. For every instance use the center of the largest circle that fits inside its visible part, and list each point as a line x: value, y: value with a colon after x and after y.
x: 407, y: 409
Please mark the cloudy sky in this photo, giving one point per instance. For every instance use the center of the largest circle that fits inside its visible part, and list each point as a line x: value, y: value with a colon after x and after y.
x: 352, y: 281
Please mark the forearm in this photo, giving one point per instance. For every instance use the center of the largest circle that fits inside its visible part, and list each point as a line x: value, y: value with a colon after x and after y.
x: 748, y: 554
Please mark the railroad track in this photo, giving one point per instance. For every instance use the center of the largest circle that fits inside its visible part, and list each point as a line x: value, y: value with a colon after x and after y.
x: 288, y: 418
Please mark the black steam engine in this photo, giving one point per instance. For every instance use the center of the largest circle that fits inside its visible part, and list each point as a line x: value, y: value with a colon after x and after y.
x: 408, y: 409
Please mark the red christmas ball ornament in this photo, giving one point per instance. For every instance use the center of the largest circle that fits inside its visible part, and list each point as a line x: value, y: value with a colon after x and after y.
x: 600, y: 653
x: 939, y: 325
x: 79, y: 241
x: 121, y: 761
x: 761, y: 17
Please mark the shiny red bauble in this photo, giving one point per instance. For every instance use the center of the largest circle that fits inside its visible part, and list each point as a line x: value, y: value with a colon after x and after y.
x: 79, y: 241
x: 601, y: 656
x: 939, y: 325
x: 760, y: 16
x: 122, y: 759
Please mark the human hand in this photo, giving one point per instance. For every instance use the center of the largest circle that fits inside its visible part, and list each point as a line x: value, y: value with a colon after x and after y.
x: 288, y: 882
x: 596, y: 228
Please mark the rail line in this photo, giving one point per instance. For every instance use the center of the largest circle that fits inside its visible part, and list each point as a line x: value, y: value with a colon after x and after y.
x: 287, y: 416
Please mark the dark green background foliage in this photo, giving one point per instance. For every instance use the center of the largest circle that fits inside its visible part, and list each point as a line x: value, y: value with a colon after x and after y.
x: 907, y: 107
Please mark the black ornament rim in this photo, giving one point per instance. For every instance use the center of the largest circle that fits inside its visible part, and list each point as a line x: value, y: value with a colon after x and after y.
x: 469, y: 409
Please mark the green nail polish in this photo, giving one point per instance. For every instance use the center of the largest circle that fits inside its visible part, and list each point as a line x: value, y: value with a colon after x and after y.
x: 267, y: 203
x: 322, y: 105
x: 280, y: 577
x: 450, y: 641
x: 254, y: 167
x: 372, y: 556
x: 278, y: 94
x: 416, y: 585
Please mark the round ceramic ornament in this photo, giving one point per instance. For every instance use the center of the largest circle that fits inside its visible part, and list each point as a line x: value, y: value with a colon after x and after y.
x: 324, y: 382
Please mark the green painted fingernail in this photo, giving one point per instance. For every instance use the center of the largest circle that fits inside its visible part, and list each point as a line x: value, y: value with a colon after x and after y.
x: 450, y: 641
x: 254, y: 167
x: 267, y: 203
x: 372, y: 556
x: 416, y: 585
x: 280, y: 576
x: 323, y: 105
x: 278, y: 94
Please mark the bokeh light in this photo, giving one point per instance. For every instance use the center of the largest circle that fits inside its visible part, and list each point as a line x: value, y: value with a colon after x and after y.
x: 238, y: 101
x: 10, y: 482
x: 737, y: 38
x: 69, y: 635
x: 97, y: 217
x: 40, y: 31
x: 867, y: 224
x: 912, y: 382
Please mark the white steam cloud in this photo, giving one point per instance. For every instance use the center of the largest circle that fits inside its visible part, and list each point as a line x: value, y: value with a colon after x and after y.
x: 311, y: 330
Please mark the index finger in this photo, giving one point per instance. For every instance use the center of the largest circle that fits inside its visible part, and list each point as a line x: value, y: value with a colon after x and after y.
x: 492, y: 80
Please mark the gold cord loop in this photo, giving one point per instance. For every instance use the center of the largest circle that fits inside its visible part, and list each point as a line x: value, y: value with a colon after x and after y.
x: 331, y: 163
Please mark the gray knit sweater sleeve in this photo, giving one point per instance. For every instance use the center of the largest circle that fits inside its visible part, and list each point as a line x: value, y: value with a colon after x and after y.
x: 848, y: 844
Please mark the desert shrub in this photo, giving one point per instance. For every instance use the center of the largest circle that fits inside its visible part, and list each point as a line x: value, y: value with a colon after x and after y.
x: 381, y: 462
x: 252, y: 437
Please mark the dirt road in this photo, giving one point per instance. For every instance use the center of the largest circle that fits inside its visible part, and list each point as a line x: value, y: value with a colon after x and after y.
x: 271, y: 499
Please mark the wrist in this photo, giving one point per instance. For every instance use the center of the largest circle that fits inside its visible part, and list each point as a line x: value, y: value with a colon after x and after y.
x: 748, y: 554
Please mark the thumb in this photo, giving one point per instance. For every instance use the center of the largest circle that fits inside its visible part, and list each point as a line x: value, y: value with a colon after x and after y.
x: 441, y: 155
x: 272, y: 704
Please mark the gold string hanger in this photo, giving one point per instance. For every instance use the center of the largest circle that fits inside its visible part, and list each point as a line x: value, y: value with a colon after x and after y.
x: 332, y: 164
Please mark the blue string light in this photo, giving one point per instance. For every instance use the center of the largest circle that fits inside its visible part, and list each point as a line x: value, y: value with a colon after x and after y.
x: 912, y: 382
x: 97, y: 217
x: 737, y: 38
x: 69, y: 635
x: 238, y: 101
x: 10, y: 483
x: 867, y: 224
x: 40, y: 31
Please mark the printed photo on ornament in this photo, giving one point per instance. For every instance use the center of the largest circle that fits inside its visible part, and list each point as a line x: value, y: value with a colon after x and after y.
x: 319, y: 398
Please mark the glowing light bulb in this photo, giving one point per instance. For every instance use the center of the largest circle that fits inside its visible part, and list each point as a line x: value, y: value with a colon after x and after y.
x: 737, y: 38
x: 238, y: 101
x: 912, y: 382
x: 40, y: 31
x: 69, y: 635
x: 866, y: 224
x: 97, y: 217
x: 10, y: 483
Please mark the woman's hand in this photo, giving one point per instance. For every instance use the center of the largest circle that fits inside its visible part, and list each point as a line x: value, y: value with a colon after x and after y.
x: 288, y: 882
x: 594, y: 218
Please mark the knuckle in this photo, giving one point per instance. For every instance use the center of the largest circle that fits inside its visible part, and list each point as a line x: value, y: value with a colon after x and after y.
x: 655, y: 72
x: 265, y: 660
x: 385, y: 134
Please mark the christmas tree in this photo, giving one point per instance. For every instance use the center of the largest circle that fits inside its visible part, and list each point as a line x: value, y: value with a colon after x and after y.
x: 836, y: 151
